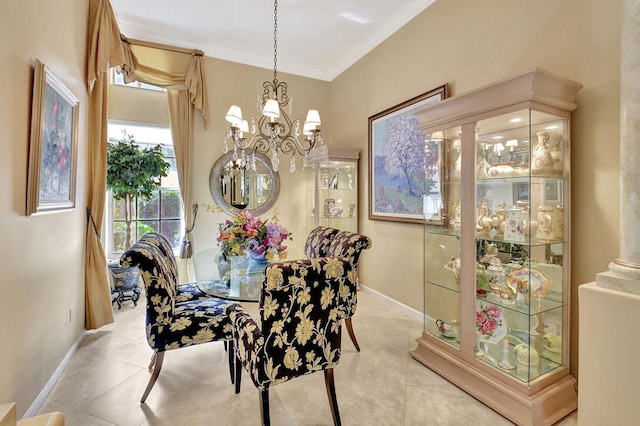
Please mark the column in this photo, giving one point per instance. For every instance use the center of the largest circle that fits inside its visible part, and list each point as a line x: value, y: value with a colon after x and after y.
x: 610, y: 307
x: 627, y: 267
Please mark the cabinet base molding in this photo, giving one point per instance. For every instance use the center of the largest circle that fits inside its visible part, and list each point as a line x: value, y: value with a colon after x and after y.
x: 524, y: 406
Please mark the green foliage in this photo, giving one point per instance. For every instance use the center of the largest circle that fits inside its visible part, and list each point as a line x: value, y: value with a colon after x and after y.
x: 133, y: 171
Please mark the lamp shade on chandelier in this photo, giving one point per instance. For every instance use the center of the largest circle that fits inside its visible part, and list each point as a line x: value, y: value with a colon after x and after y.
x: 274, y: 132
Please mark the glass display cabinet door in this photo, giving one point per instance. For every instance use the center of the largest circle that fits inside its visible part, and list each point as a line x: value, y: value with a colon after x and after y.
x: 332, y: 188
x: 520, y: 239
x: 442, y: 207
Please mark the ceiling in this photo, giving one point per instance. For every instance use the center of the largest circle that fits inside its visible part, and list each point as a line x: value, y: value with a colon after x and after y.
x: 317, y: 39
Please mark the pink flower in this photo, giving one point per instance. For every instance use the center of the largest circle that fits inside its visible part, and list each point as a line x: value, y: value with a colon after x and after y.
x: 488, y: 319
x: 489, y: 326
x: 493, y: 311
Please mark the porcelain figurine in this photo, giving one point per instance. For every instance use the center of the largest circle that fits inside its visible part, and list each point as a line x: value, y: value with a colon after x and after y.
x: 555, y: 148
x: 545, y: 227
x: 500, y: 171
x: 558, y: 222
x: 334, y: 181
x: 490, y: 254
x: 455, y: 161
x: 325, y: 179
x: 521, y: 289
x: 483, y: 164
x: 455, y: 220
x: 542, y: 162
x: 496, y: 277
x: 527, y: 360
x: 498, y: 217
x: 505, y: 363
x: 484, y: 222
x: 453, y: 265
x: 526, y: 355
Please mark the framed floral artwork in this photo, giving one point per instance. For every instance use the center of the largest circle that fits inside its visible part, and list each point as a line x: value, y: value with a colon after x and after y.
x: 51, y: 184
x: 404, y: 168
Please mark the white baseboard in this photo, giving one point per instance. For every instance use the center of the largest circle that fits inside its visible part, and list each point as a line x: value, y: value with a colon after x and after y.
x: 37, y: 403
x: 394, y: 301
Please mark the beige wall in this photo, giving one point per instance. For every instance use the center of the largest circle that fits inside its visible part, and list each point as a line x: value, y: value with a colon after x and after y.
x: 470, y: 44
x: 42, y: 272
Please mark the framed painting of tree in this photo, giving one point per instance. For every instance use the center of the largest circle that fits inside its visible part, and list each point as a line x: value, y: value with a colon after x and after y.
x: 405, y: 168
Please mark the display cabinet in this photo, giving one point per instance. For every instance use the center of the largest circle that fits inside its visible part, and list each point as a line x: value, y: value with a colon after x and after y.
x: 496, y: 272
x: 332, y: 187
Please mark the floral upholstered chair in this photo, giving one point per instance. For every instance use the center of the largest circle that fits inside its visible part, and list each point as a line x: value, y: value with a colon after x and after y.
x: 299, y: 327
x: 173, y: 321
x: 318, y: 241
x: 187, y: 291
x: 350, y: 245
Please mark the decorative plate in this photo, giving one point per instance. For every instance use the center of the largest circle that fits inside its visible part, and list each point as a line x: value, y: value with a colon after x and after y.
x: 538, y: 283
x: 491, y: 324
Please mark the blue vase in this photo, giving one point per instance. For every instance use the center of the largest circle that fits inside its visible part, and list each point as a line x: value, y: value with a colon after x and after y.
x: 260, y: 258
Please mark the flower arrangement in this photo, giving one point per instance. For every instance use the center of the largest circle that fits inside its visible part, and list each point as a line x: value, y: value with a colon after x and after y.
x: 244, y: 233
x: 488, y: 319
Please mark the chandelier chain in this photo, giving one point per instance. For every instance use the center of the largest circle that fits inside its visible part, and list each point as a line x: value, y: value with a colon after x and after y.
x: 275, y: 41
x: 274, y: 131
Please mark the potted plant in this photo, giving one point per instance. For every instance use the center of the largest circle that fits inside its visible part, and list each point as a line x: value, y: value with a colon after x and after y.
x: 132, y: 172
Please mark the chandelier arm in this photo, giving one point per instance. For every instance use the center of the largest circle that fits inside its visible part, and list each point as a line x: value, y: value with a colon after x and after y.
x: 292, y: 145
x: 281, y: 94
x: 269, y: 90
x: 260, y: 144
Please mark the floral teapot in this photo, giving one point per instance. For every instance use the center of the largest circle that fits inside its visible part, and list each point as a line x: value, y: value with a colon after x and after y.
x: 514, y: 224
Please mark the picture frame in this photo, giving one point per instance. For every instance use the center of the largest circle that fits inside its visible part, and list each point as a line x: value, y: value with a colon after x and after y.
x: 329, y: 205
x: 521, y: 192
x: 53, y: 145
x: 397, y: 184
x: 553, y: 192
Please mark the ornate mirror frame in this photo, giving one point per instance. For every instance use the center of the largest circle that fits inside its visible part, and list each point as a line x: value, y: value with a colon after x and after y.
x: 218, y: 196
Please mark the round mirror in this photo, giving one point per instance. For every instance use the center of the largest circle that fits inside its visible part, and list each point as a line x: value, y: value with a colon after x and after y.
x: 235, y: 186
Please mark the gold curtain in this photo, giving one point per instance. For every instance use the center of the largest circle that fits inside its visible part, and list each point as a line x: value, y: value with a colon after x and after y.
x: 181, y: 112
x: 104, y: 51
x: 174, y: 68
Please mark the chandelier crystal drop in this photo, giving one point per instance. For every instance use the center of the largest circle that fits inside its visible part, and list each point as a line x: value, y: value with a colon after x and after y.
x: 274, y: 131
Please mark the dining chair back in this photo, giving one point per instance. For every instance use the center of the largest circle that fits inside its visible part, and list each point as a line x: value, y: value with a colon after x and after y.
x: 318, y: 241
x: 326, y: 241
x: 299, y: 327
x: 185, y: 291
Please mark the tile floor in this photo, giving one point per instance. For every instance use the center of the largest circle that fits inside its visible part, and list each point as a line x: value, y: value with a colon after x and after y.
x: 381, y: 385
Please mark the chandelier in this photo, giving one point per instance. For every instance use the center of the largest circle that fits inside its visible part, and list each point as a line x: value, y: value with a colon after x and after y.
x: 274, y: 131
